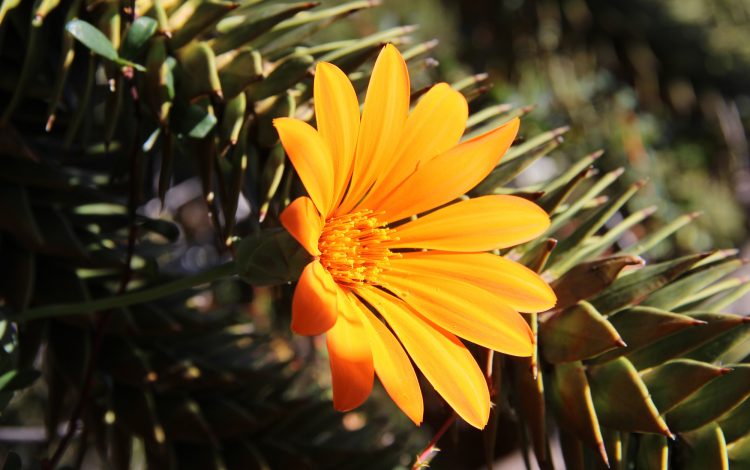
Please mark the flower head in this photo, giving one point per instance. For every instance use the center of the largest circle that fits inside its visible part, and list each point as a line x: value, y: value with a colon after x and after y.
x: 429, y: 279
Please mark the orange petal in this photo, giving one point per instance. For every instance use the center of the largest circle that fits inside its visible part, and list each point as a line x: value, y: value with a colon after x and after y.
x: 479, y: 224
x: 303, y: 221
x: 311, y: 158
x: 350, y: 357
x: 383, y: 117
x: 516, y: 285
x: 441, y: 357
x: 393, y: 366
x: 434, y: 126
x: 465, y: 310
x: 448, y: 175
x: 314, y: 305
x: 337, y: 115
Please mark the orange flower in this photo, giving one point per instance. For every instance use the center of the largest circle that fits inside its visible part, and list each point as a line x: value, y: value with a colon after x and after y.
x: 427, y: 278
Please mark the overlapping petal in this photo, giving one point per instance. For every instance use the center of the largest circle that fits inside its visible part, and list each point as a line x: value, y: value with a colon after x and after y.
x: 315, y: 301
x: 480, y: 224
x: 441, y: 357
x: 435, y: 125
x: 393, y: 366
x: 337, y: 115
x: 448, y: 175
x: 513, y: 283
x: 302, y: 220
x: 311, y: 158
x: 350, y: 358
x: 465, y: 310
x: 383, y: 116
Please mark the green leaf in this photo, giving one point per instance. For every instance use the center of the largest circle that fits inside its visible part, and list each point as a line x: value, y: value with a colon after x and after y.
x: 671, y: 295
x: 682, y: 342
x: 561, y: 218
x: 577, y: 333
x: 736, y: 423
x: 238, y: 70
x: 622, y: 399
x: 17, y: 379
x: 531, y: 404
x: 738, y: 454
x: 592, y: 224
x: 193, y: 121
x: 191, y: 19
x: 138, y: 34
x: 249, y: 23
x: 729, y: 347
x: 702, y: 449
x: 638, y: 285
x: 656, y: 237
x: 200, y: 72
x: 588, y: 279
x: 92, y: 38
x: 97, y: 42
x: 642, y: 326
x: 653, y: 452
x: 574, y: 405
x: 508, y: 170
x: 671, y: 383
x: 286, y: 75
x: 712, y: 401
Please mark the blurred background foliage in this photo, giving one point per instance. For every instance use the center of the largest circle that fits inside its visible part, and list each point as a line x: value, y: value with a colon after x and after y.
x: 659, y: 85
x: 115, y: 179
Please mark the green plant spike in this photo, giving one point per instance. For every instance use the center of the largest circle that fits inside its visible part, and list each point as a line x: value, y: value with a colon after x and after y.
x: 238, y: 70
x: 194, y: 17
x: 198, y: 61
x: 576, y: 333
x: 672, y: 382
x: 682, y: 342
x: 670, y: 296
x: 559, y: 219
x: 67, y: 54
x: 738, y: 454
x: 653, y: 452
x: 736, y: 423
x: 531, y: 405
x: 588, y: 279
x: 703, y: 448
x: 622, y: 400
x: 637, y: 285
x: 721, y: 302
x: 574, y: 406
x: 729, y: 347
x: 596, y: 221
x: 250, y: 23
x: 507, y: 171
x: 292, y: 32
x: 712, y: 401
x: 270, y: 179
x: 6, y: 6
x: 642, y: 326
x: 598, y: 244
x: 286, y: 75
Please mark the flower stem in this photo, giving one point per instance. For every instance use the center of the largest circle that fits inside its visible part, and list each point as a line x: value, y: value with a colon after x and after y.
x: 424, y: 457
x: 60, y: 310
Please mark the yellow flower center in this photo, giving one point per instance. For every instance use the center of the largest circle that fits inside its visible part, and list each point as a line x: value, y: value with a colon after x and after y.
x: 351, y: 247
